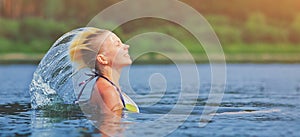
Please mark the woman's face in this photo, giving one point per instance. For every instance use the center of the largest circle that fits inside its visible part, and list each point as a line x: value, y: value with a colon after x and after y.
x: 115, y: 52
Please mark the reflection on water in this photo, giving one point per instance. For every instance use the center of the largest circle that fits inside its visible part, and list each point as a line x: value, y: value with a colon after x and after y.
x: 259, y: 100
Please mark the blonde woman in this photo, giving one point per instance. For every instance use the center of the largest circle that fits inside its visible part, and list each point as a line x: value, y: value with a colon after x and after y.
x: 103, y: 52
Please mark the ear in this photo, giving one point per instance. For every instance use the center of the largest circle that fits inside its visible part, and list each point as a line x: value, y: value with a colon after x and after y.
x: 102, y: 59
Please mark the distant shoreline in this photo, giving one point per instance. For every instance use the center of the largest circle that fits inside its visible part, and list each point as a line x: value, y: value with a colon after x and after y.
x: 21, y: 58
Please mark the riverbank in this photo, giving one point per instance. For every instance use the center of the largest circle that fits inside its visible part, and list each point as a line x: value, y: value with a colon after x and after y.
x: 283, y: 58
x: 20, y: 58
x: 23, y: 58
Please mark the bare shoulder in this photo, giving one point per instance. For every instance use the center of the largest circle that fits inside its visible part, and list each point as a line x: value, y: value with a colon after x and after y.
x: 109, y: 95
x: 106, y: 89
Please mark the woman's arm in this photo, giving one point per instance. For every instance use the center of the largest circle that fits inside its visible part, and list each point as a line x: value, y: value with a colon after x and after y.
x: 111, y: 99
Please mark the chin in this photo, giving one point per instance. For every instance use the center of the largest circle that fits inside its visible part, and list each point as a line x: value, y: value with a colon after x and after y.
x: 130, y: 62
x: 127, y: 63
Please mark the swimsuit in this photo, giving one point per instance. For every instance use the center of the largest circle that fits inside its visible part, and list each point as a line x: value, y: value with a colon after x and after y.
x: 121, y: 97
x: 91, y: 78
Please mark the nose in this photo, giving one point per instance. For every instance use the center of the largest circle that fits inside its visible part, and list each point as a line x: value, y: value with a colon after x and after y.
x: 126, y: 46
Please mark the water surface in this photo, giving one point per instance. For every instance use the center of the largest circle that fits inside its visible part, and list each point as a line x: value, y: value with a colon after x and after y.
x: 259, y: 100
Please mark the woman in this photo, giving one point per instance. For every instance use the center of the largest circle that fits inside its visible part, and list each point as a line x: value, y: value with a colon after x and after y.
x: 104, y: 53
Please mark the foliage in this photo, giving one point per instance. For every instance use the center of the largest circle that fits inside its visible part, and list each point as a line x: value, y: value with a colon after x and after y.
x: 31, y: 28
x: 9, y: 28
x: 258, y: 30
x: 30, y: 34
x: 294, y: 33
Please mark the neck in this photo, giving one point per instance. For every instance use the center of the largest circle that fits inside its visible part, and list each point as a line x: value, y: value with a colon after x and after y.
x: 112, y: 74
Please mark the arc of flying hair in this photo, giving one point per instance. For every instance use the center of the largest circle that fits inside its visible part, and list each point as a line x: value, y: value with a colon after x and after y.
x: 83, y: 42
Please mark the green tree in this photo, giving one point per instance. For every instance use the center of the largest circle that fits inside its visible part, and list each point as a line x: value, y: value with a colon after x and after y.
x: 294, y: 33
x: 257, y: 29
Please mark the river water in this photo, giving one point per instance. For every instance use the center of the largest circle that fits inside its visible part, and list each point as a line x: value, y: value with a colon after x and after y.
x: 259, y: 100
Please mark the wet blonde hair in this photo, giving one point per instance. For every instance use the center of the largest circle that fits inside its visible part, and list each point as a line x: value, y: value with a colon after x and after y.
x: 85, y: 47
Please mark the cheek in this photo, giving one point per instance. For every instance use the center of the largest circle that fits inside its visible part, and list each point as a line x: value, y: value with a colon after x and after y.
x: 114, y: 56
x: 119, y: 56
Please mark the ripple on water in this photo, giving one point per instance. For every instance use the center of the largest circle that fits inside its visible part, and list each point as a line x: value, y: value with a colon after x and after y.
x: 255, y: 109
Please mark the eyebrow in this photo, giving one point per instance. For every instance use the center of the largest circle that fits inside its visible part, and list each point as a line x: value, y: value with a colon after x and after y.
x: 113, y: 40
x: 117, y: 41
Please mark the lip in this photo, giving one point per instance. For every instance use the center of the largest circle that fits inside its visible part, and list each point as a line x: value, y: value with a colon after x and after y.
x: 126, y: 55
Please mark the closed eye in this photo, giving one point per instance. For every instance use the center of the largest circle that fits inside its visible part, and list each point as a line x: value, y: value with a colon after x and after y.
x: 118, y: 43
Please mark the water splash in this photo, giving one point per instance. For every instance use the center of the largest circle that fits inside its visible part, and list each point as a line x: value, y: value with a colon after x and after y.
x: 52, y: 80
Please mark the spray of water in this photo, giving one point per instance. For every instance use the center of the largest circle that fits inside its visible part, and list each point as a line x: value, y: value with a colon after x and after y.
x: 52, y: 82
